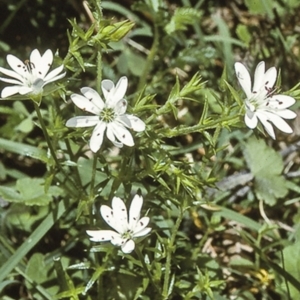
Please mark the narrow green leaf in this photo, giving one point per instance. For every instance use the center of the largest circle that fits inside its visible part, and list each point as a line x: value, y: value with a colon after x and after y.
x: 95, y: 277
x: 26, y: 150
x: 292, y: 266
x: 235, y: 216
x: 6, y: 283
x: 224, y: 39
x: 234, y: 94
x: 32, y: 240
x: 62, y: 276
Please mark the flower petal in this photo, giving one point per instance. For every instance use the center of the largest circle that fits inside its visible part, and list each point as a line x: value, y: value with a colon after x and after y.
x: 9, y: 91
x: 53, y: 75
x: 41, y: 64
x: 11, y: 73
x: 35, y: 57
x: 251, y: 119
x: 120, y: 214
x: 286, y: 114
x: 13, y: 81
x: 244, y: 78
x: 135, y: 211
x: 279, y: 123
x: 107, y: 88
x: 114, y: 94
x: 83, y: 121
x: 281, y: 101
x: 263, y: 118
x: 97, y: 136
x: 109, y: 217
x: 121, y: 133
x: 121, y: 107
x: 85, y: 104
x: 128, y: 247
x: 142, y: 232
x: 117, y: 240
x: 101, y: 235
x: 17, y: 65
x: 111, y: 136
x: 121, y: 88
x: 258, y: 77
x: 140, y: 228
x: 23, y: 90
x: 117, y: 216
x: 269, y: 78
x: 124, y: 120
x: 93, y: 97
x: 136, y: 123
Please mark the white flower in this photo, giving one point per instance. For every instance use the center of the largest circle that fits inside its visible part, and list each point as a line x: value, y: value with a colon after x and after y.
x: 109, y: 115
x: 30, y: 77
x: 262, y: 103
x: 125, y: 232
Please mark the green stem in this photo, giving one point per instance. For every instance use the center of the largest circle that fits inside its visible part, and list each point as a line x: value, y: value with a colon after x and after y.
x: 98, y: 8
x: 74, y: 159
x: 92, y: 185
x: 96, y: 255
x: 150, y: 59
x: 99, y: 49
x: 216, y: 135
x: 170, y: 249
x: 56, y: 111
x: 42, y: 123
x: 92, y: 194
x: 99, y: 54
x: 139, y: 254
x: 104, y: 265
x: 123, y: 171
x: 99, y: 70
x: 49, y: 143
x: 183, y: 130
x: 100, y: 269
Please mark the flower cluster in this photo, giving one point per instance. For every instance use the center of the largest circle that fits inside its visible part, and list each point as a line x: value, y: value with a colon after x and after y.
x: 29, y: 77
x: 262, y: 103
x: 125, y: 230
x: 109, y: 115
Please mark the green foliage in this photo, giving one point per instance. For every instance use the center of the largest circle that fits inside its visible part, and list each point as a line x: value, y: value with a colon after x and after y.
x: 292, y: 266
x: 243, y: 33
x: 259, y: 7
x: 30, y: 191
x: 266, y: 166
x: 181, y: 18
x: 203, y: 177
